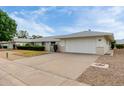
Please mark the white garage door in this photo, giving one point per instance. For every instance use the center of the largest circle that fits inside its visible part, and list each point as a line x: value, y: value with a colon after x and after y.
x: 81, y: 45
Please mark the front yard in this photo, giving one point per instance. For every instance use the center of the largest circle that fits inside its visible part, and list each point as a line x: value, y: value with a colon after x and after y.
x: 28, y: 53
x: 18, y: 54
x: 114, y: 75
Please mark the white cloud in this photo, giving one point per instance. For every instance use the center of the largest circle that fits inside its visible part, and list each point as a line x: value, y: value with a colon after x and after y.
x: 110, y: 21
x: 32, y: 26
x: 40, y: 11
x: 100, y: 19
x: 31, y: 14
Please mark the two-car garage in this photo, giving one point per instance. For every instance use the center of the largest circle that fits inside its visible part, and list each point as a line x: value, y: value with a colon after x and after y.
x: 79, y: 45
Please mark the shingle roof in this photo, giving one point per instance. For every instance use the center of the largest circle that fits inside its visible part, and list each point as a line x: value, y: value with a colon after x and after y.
x: 43, y: 39
x: 86, y: 34
x: 50, y: 38
x: 23, y: 40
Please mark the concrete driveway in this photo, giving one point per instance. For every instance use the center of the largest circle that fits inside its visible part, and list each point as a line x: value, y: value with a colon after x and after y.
x: 49, y: 69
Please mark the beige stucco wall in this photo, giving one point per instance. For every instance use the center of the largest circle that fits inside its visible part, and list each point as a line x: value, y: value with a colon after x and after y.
x: 61, y: 45
x: 21, y: 44
x: 38, y: 44
x: 104, y: 43
x: 107, y: 45
x: 47, y: 46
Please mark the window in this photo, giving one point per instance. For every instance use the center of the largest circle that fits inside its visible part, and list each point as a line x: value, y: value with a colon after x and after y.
x: 53, y: 43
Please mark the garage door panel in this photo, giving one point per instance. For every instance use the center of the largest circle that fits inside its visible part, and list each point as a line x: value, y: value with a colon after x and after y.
x: 81, y: 45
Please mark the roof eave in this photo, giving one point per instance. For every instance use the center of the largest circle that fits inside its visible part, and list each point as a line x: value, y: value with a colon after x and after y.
x: 111, y: 37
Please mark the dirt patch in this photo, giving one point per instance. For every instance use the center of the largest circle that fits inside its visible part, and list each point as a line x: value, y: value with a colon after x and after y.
x: 114, y: 75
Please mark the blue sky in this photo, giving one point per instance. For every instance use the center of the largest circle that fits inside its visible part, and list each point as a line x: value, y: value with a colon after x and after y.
x: 53, y: 20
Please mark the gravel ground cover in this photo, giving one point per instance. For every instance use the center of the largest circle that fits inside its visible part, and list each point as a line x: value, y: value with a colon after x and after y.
x: 112, y: 76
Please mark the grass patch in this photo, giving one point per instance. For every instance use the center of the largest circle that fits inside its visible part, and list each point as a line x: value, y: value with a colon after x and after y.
x: 28, y: 53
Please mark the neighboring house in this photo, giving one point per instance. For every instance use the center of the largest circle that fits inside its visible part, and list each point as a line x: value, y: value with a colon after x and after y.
x: 90, y: 42
x: 86, y: 42
x: 5, y: 44
x: 44, y: 41
x: 120, y: 42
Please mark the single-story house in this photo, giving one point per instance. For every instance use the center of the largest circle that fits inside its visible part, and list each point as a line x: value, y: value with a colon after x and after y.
x: 90, y: 42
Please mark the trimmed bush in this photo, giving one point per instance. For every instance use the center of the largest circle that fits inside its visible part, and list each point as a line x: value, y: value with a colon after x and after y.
x: 118, y: 46
x: 37, y: 48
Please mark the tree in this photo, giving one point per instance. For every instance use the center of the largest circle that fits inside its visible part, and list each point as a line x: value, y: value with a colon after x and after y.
x: 36, y: 36
x: 7, y: 27
x: 22, y: 34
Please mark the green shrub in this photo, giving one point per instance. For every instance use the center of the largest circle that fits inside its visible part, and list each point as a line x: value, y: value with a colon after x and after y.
x: 27, y: 45
x: 118, y: 46
x: 37, y: 48
x: 113, y: 44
